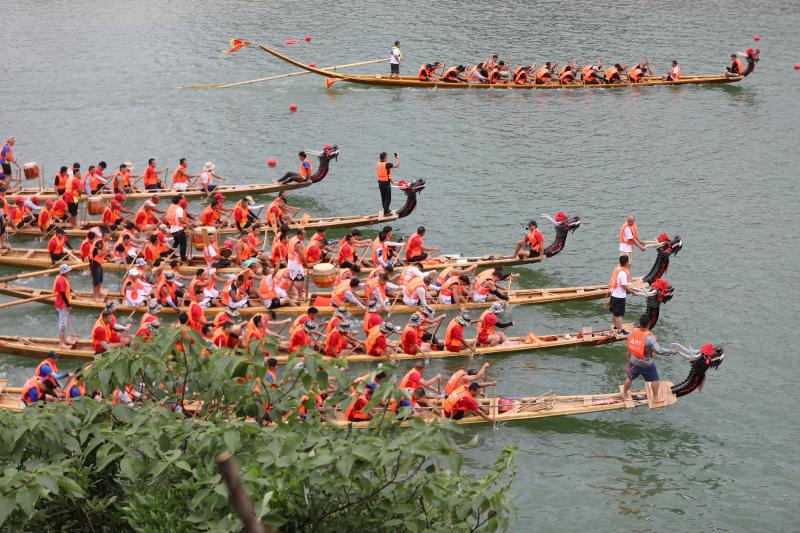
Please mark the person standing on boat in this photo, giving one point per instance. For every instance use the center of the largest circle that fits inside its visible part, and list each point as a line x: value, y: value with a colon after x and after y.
x: 62, y: 293
x: 628, y: 237
x: 620, y: 287
x: 384, y: 171
x: 641, y: 346
x: 394, y: 61
x: 7, y: 157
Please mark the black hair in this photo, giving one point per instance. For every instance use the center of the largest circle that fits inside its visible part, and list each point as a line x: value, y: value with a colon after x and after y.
x: 182, y: 160
x: 623, y: 260
x: 382, y: 156
x: 183, y: 318
x: 151, y: 161
x: 312, y: 310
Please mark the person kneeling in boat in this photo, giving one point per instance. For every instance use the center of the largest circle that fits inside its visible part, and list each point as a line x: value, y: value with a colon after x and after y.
x: 487, y: 335
x: 533, y: 243
x: 104, y: 335
x: 590, y: 75
x: 355, y: 412
x: 36, y: 390
x: 567, y: 75
x: 522, y: 74
x: 544, y: 75
x: 486, y: 286
x: 378, y: 343
x: 462, y: 403
x: 636, y: 74
x: 614, y: 74
x: 454, y: 340
x: 454, y: 75
x: 341, y: 342
x: 455, y: 291
x: 415, y: 291
x: 736, y: 68
x: 641, y: 346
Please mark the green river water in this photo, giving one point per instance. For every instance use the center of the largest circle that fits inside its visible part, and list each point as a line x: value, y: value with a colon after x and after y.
x: 84, y: 81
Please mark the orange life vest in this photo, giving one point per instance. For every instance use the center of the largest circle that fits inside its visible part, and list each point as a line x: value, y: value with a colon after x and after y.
x: 636, y: 344
x: 53, y: 367
x: 373, y: 336
x: 452, y: 343
x: 405, y: 382
x: 453, y: 398
x: 483, y: 329
x: 612, y: 284
x: 634, y: 233
x: 384, y: 174
x: 340, y: 292
x: 410, y: 288
x: 454, y: 382
x: 31, y: 384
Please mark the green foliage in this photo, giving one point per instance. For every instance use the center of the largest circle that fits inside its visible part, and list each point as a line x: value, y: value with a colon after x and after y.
x: 97, y: 465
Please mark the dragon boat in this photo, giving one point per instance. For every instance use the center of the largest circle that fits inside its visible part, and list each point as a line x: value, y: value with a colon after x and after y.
x: 661, y: 292
x: 328, y: 153
x: 349, y: 221
x: 509, y: 409
x: 382, y: 80
x: 39, y: 258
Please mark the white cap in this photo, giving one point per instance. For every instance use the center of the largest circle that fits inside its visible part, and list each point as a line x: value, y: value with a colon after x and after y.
x: 209, y: 166
x: 128, y: 164
x: 212, y: 271
x: 149, y: 203
x: 63, y: 269
x: 134, y: 272
x: 250, y: 200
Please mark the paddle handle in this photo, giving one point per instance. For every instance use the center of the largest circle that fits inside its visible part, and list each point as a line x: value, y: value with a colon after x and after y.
x: 26, y: 300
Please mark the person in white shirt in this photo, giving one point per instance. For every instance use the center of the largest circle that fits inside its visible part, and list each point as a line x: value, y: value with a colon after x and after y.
x: 629, y: 237
x: 206, y: 178
x: 620, y: 286
x: 394, y: 60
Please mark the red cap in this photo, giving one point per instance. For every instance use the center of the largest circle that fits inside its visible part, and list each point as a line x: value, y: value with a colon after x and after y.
x: 749, y: 51
x: 19, y: 200
x: 708, y: 349
x: 228, y: 244
x: 328, y: 147
x: 116, y: 204
x: 219, y: 196
x: 48, y: 203
x: 35, y: 200
x: 183, y: 202
x: 119, y: 197
x: 663, y: 237
x: 560, y: 216
x: 660, y: 284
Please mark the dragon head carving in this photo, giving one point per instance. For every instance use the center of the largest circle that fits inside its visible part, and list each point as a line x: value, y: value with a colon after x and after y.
x: 707, y: 357
x: 563, y: 225
x: 667, y: 246
x: 411, y: 189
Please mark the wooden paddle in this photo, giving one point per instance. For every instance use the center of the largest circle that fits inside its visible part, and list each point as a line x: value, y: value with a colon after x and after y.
x: 279, y: 76
x: 27, y: 300
x: 4, y: 279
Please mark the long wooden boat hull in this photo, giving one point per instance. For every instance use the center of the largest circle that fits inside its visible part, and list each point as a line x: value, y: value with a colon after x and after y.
x: 352, y: 221
x: 230, y: 191
x: 381, y: 80
x: 502, y: 409
x: 84, y: 300
x: 36, y: 347
x: 36, y: 258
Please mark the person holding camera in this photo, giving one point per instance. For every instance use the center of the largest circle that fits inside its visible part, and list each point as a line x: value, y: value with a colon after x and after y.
x: 384, y: 171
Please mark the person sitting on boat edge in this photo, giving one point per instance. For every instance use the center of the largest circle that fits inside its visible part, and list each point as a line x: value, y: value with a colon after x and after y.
x: 416, y: 249
x: 302, y: 175
x: 462, y: 403
x: 532, y: 245
x: 642, y: 345
x: 674, y: 73
x: 736, y: 68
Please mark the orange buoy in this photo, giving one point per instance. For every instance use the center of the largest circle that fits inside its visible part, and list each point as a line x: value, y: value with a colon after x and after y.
x: 308, y: 38
x: 797, y: 66
x: 272, y: 162
x: 291, y: 41
x: 312, y: 65
x: 293, y: 107
x: 757, y: 38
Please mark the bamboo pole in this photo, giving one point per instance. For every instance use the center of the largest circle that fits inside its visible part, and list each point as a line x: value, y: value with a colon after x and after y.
x: 238, y: 493
x: 40, y: 273
x: 27, y: 300
x: 277, y: 77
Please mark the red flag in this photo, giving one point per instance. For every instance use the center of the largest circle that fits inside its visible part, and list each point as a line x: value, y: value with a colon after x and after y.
x: 329, y: 82
x: 236, y: 44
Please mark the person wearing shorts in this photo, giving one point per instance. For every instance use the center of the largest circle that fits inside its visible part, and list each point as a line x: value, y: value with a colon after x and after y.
x: 394, y: 61
x: 642, y: 345
x: 620, y: 285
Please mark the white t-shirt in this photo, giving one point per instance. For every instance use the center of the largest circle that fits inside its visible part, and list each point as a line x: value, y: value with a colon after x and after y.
x: 622, y: 282
x: 627, y: 235
x: 179, y: 214
x: 204, y: 179
x: 395, y: 59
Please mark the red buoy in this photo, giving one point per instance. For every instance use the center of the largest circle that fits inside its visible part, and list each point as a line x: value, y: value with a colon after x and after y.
x: 272, y: 162
x: 291, y: 41
x: 757, y: 38
x: 308, y: 38
x: 312, y: 65
x: 293, y: 107
x: 797, y: 66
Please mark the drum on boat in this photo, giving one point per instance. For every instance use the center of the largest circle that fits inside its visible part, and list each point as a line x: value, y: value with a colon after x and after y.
x: 95, y: 206
x: 200, y: 237
x: 31, y: 171
x: 324, y: 274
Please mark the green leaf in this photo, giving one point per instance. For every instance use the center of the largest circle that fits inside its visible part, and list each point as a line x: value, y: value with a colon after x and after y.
x: 26, y: 499
x: 7, y: 507
x: 232, y: 440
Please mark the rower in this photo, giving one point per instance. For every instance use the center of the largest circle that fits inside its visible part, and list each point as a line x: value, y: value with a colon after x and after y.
x: 674, y: 73
x: 381, y: 249
x: 279, y: 251
x: 167, y: 292
x: 454, y: 74
x: 491, y: 63
x: 454, y: 340
x: 224, y: 336
x: 234, y: 296
x: 376, y: 289
x: 341, y: 341
x: 736, y: 68
x: 151, y: 180
x: 35, y: 390
x: 498, y: 73
x: 447, y: 273
x: 629, y: 236
x: 279, y: 212
x: 415, y: 291
x: 180, y: 177
x: 76, y: 386
x: 487, y: 335
x: 413, y: 379
x: 384, y: 172
x: 242, y: 217
x: 356, y: 412
x: 212, y: 214
x: 544, y: 74
x: 464, y: 377
x: 56, y: 245
x: 416, y: 249
x: 345, y: 293
x: 477, y: 74
x: 47, y: 371
x: 567, y: 75
x: 636, y: 74
x: 614, y: 74
x: 311, y: 314
x: 19, y: 215
x: 45, y: 220
x: 486, y: 286
x: 411, y: 338
x: 455, y: 291
x: 301, y: 338
x: 462, y: 403
x: 642, y: 345
x: 104, y: 335
x: 428, y: 72
x: 206, y: 178
x: 378, y: 344
x: 195, y: 313
x: 372, y: 316
x: 533, y: 243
